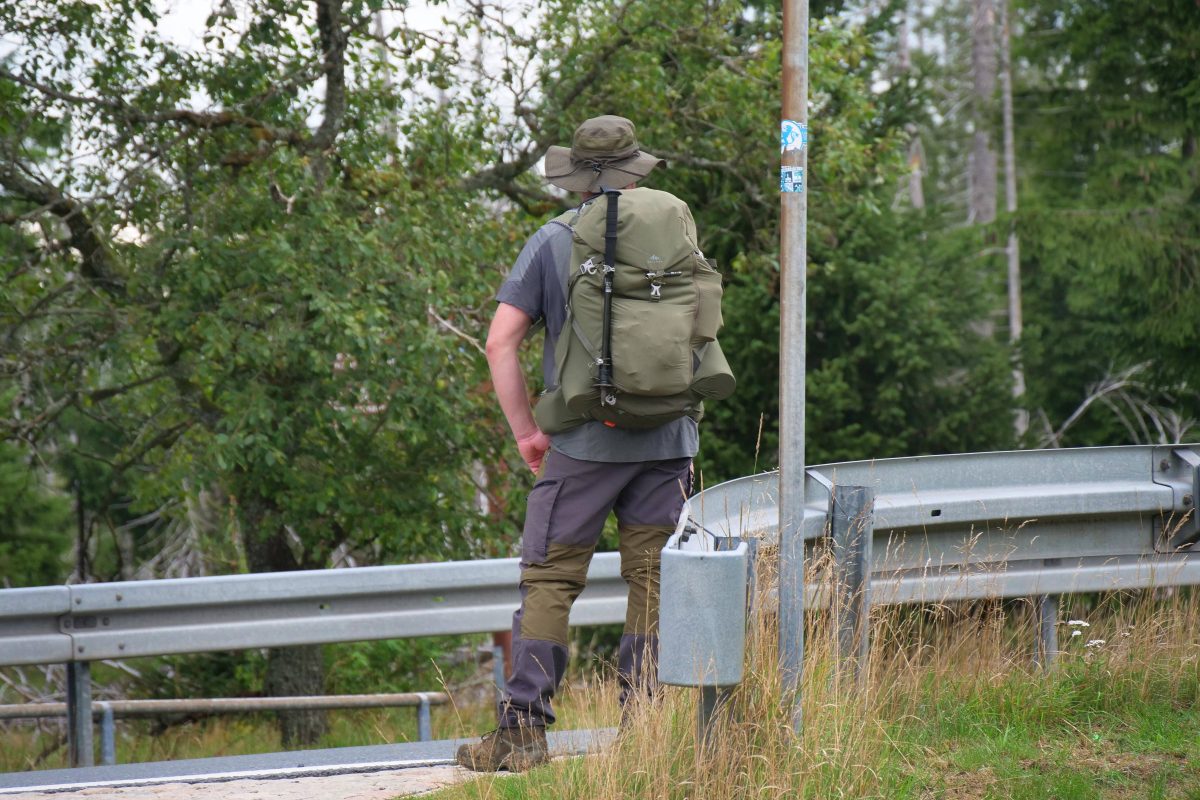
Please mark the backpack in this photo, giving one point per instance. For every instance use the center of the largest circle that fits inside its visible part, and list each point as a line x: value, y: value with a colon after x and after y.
x: 638, y: 347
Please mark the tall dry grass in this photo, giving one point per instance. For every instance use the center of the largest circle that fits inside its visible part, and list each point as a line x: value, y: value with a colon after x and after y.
x: 931, y: 671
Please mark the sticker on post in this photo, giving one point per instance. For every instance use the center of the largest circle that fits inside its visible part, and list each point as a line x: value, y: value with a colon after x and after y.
x: 791, y: 179
x: 793, y: 136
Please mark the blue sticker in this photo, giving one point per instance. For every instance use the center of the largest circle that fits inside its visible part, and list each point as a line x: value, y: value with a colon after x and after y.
x: 791, y: 179
x: 792, y: 136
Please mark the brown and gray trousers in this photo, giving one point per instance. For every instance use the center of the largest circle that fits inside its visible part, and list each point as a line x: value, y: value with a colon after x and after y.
x: 564, y: 519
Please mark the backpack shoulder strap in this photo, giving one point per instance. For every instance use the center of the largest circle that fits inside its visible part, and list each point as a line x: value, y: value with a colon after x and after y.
x: 564, y: 220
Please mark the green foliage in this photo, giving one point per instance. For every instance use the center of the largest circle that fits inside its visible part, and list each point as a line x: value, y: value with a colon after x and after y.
x: 289, y: 325
x: 227, y: 674
x: 235, y: 304
x: 893, y: 366
x: 1110, y: 217
x: 35, y: 535
x: 223, y: 277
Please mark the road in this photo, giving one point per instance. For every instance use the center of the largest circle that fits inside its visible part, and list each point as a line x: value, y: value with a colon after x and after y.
x: 376, y: 772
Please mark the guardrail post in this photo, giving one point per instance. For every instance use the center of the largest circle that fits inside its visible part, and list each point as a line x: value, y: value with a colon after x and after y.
x: 79, y: 713
x: 108, y: 735
x: 424, y: 721
x: 852, y: 523
x: 752, y: 577
x: 1047, y: 604
x: 1047, y: 631
x: 710, y: 697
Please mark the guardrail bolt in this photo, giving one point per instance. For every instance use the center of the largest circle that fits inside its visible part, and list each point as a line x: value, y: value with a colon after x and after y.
x: 104, y: 620
x: 81, y: 648
x: 1164, y: 465
x: 1187, y: 499
x: 120, y: 598
x: 78, y: 601
x: 120, y: 646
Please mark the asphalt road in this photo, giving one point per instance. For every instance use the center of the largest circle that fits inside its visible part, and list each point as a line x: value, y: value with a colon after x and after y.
x: 271, y: 766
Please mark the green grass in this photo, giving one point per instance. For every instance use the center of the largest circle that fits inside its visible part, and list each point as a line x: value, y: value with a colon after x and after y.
x: 951, y: 710
x: 1062, y: 736
x: 235, y: 734
x: 138, y: 740
x: 965, y: 745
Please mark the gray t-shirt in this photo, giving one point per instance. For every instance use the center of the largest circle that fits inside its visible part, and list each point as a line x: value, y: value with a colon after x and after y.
x: 536, y: 285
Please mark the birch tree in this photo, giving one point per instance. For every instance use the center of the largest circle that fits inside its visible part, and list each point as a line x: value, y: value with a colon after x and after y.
x: 1012, y: 247
x: 982, y: 207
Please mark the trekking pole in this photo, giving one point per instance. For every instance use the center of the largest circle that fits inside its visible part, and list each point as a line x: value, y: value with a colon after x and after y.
x: 604, y: 376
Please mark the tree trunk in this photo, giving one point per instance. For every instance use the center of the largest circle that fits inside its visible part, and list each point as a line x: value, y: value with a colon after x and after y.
x: 291, y: 671
x: 916, y: 152
x: 982, y: 208
x: 1021, y: 421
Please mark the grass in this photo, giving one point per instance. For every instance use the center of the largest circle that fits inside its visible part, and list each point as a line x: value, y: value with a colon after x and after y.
x: 26, y: 745
x: 236, y: 734
x: 950, y: 707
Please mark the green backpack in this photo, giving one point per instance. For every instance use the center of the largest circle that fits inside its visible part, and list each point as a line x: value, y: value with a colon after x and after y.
x: 639, y: 344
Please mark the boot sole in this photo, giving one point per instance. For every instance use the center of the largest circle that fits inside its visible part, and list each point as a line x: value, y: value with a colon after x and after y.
x: 510, y: 763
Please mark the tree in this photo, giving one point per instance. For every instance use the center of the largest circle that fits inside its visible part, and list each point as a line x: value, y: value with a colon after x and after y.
x: 245, y: 300
x: 1012, y: 249
x: 1110, y: 220
x: 893, y: 368
x: 982, y: 208
x: 37, y: 527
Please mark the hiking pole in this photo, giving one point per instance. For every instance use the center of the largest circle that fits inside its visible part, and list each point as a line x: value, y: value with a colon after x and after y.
x: 604, y: 376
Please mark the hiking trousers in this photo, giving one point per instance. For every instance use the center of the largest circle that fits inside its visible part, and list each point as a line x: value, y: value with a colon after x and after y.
x: 564, y: 518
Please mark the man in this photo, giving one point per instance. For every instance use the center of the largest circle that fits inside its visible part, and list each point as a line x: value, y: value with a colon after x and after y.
x: 583, y: 474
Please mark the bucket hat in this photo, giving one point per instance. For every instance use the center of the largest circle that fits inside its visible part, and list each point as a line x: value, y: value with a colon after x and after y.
x: 604, y: 154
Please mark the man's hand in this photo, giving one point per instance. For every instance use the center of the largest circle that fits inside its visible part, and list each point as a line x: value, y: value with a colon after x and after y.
x: 533, y: 449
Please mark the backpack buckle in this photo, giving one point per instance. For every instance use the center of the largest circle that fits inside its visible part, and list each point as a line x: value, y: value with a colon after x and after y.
x: 656, y: 291
x: 588, y: 267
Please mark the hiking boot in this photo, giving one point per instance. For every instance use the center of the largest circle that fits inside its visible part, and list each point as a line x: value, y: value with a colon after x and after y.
x: 513, y: 749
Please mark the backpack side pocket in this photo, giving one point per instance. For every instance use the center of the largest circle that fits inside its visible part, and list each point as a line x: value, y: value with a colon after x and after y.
x: 708, y: 311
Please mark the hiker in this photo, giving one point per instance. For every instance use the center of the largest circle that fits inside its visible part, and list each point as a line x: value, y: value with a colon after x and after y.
x: 584, y: 472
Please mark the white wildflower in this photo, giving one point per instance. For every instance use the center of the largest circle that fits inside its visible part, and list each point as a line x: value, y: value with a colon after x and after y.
x: 1079, y: 622
x: 1077, y: 633
x: 1095, y: 643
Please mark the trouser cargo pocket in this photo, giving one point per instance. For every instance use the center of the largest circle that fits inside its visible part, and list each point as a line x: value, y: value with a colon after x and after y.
x: 538, y: 512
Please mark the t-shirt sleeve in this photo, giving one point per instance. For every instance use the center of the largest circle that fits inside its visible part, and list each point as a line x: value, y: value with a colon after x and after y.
x: 524, y: 286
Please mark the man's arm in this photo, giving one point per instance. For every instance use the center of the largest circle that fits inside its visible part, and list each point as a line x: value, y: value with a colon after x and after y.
x: 508, y: 329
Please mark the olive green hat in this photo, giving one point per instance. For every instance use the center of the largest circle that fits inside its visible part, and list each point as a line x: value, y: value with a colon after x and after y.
x: 603, y: 154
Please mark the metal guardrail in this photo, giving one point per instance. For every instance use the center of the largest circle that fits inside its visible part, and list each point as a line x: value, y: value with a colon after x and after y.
x: 1048, y: 499
x: 945, y: 527
x: 82, y: 623
x: 954, y: 515
x: 90, y: 622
